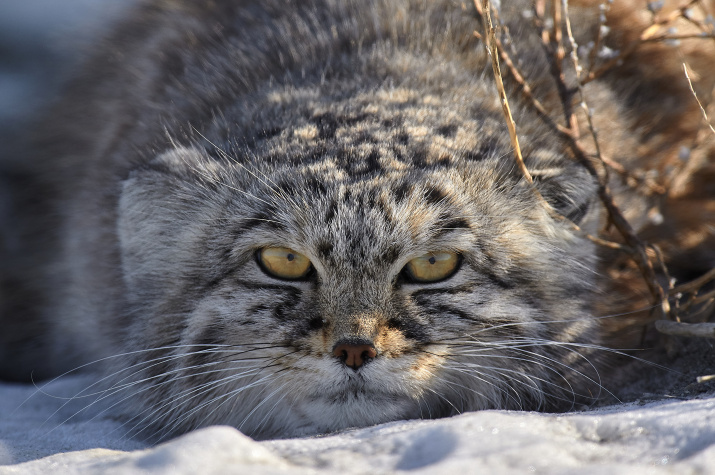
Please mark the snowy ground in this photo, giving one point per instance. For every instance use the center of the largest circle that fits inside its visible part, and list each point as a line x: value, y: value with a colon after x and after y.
x: 668, y: 436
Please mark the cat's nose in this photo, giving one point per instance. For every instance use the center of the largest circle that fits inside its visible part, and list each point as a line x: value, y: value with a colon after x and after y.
x: 354, y: 355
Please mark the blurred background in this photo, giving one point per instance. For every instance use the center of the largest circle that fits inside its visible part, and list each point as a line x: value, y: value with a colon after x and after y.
x: 40, y: 42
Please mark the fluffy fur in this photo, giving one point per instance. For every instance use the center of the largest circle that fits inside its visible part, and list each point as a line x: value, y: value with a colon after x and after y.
x: 361, y: 134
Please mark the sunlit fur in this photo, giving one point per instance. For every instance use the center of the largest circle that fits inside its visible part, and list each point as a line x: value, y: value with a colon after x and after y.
x: 361, y: 134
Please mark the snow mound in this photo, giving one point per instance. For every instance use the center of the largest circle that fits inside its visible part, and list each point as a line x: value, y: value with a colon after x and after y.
x: 38, y: 435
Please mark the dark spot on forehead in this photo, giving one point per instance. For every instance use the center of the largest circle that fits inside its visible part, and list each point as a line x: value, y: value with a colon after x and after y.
x: 419, y: 157
x: 330, y: 213
x: 359, y: 164
x: 316, y: 154
x: 435, y: 195
x: 489, y: 147
x: 365, y: 137
x: 402, y: 191
x: 315, y: 185
x: 324, y: 249
x: 327, y: 125
x: 373, y: 161
x: 474, y: 156
x: 395, y: 121
x: 448, y: 130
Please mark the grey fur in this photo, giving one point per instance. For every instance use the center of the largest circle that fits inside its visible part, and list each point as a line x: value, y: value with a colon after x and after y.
x: 360, y: 133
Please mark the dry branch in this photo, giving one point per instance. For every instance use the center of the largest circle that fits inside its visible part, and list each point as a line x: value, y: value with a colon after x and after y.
x: 687, y: 297
x: 491, y: 44
x: 638, y: 248
x: 698, y: 330
x: 702, y: 109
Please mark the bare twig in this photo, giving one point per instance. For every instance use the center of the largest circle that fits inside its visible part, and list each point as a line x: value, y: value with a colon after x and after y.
x: 695, y: 285
x: 496, y: 50
x: 697, y: 330
x: 625, y: 229
x: 491, y: 44
x: 643, y: 255
x: 702, y: 109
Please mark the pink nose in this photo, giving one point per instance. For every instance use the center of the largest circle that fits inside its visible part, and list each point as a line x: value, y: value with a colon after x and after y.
x: 353, y: 355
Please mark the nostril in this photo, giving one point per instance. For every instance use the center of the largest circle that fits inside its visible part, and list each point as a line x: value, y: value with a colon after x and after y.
x: 354, y: 355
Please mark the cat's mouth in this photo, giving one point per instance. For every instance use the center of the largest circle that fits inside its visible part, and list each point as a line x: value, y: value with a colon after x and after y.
x: 363, y: 386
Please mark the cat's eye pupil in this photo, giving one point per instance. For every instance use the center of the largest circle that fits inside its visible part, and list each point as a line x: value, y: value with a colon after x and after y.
x: 290, y: 257
x: 432, y: 267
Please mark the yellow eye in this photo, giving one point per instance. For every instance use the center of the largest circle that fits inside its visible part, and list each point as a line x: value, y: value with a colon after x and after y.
x: 284, y: 263
x: 432, y: 267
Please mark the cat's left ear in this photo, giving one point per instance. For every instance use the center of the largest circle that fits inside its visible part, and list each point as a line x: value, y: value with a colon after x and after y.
x: 162, y: 208
x: 183, y: 162
x: 569, y: 188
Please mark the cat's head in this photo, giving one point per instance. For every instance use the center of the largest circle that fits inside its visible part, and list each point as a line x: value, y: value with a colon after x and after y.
x: 349, y: 284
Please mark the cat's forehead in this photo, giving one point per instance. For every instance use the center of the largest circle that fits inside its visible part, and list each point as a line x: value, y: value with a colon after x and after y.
x: 374, y: 129
x: 358, y: 222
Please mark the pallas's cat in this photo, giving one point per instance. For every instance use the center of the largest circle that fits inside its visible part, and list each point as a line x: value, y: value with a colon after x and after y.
x: 298, y: 217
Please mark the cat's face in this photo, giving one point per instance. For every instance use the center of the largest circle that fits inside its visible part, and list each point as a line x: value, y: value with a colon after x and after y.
x: 243, y: 338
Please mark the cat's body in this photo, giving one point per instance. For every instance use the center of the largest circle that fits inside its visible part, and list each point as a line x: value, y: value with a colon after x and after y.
x: 361, y: 135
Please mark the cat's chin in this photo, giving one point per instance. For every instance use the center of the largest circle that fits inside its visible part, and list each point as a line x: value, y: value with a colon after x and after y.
x: 326, y: 414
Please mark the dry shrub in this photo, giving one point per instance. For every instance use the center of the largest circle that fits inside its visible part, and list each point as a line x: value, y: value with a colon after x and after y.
x: 657, y: 254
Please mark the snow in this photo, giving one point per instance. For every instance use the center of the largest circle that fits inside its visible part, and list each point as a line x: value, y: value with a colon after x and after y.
x: 38, y: 435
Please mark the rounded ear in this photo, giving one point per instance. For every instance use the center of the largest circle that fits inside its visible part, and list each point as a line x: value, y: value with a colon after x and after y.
x: 568, y: 187
x: 182, y: 162
x: 158, y: 219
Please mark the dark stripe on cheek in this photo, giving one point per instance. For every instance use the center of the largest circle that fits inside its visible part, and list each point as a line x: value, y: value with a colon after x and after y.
x: 286, y: 298
x: 440, y: 310
x: 288, y: 290
x: 459, y: 289
x: 501, y: 282
x: 209, y: 338
x: 285, y: 310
